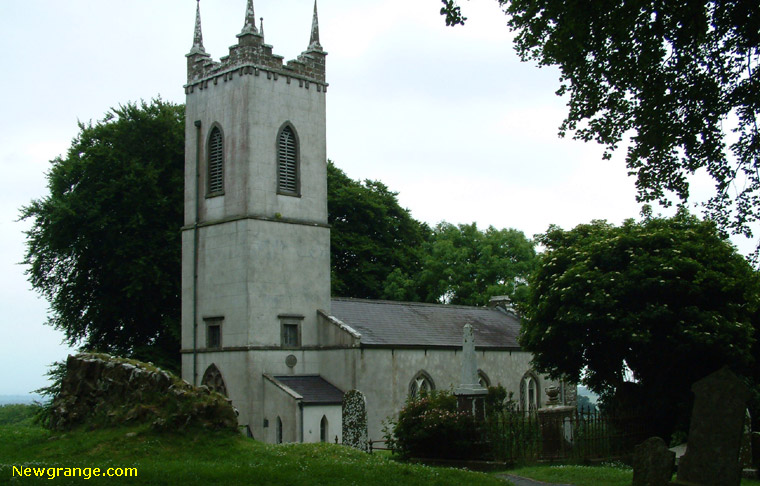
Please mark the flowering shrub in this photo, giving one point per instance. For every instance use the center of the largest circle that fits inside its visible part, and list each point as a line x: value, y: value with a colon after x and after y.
x: 430, y: 426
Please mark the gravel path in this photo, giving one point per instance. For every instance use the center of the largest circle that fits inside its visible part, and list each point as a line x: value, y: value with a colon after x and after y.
x: 521, y: 481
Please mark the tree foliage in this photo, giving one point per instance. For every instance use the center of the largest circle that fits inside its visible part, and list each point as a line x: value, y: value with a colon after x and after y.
x: 666, y: 299
x: 104, y: 247
x: 372, y: 235
x: 675, y: 81
x: 464, y: 265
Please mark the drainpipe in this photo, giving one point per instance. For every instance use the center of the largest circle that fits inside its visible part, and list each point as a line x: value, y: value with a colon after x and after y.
x: 195, y: 247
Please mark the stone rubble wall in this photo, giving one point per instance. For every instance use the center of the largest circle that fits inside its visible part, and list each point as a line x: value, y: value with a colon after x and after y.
x: 99, y: 391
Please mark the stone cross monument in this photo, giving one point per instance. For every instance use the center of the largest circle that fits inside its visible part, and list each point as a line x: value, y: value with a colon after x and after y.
x: 470, y: 393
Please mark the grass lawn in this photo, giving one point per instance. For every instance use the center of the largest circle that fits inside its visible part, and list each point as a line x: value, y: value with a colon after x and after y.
x: 207, y: 459
x: 608, y: 475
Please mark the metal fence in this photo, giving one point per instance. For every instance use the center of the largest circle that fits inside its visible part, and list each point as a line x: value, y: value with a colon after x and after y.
x: 530, y: 437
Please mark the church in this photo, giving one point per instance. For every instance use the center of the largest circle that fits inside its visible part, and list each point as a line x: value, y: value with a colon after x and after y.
x: 258, y: 322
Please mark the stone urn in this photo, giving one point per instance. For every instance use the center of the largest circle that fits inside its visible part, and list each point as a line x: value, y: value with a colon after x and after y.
x: 552, y: 394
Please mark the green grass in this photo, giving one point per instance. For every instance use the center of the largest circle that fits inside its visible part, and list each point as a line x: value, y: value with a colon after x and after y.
x: 606, y: 475
x: 199, y: 458
x: 579, y: 475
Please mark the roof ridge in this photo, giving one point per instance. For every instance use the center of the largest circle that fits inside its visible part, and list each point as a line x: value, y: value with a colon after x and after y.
x: 402, y: 302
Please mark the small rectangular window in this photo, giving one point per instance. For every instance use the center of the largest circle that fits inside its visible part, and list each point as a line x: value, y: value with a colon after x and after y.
x: 290, y: 331
x: 214, y: 332
x: 290, y: 335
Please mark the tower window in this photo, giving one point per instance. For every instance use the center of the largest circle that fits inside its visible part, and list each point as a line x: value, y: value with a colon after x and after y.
x: 290, y: 335
x: 215, y: 163
x: 290, y: 330
x: 287, y: 162
x: 214, y: 332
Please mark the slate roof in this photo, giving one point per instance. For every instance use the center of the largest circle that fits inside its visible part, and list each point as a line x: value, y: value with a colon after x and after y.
x: 405, y: 324
x: 313, y: 388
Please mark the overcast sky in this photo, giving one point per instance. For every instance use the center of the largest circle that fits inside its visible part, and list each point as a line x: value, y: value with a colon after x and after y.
x: 448, y: 117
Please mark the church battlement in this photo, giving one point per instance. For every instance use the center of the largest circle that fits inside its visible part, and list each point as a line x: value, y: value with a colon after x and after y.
x: 252, y: 56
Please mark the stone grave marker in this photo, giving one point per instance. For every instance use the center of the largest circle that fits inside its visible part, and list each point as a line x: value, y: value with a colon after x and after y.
x: 355, y: 420
x: 653, y: 463
x: 715, y: 432
x: 745, y: 454
x: 470, y: 393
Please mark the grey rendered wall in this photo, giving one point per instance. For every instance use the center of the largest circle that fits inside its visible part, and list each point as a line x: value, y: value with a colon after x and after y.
x: 384, y: 376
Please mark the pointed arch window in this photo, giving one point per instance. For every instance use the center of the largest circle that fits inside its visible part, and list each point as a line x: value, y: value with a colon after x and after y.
x: 421, y: 384
x: 483, y: 379
x: 323, y: 429
x: 288, y: 182
x: 530, y: 397
x: 212, y: 378
x: 278, y: 430
x: 215, y: 162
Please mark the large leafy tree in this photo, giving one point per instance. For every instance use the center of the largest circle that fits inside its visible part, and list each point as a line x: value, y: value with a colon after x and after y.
x: 667, y: 300
x: 464, y: 265
x: 372, y: 235
x: 104, y: 247
x: 676, y: 82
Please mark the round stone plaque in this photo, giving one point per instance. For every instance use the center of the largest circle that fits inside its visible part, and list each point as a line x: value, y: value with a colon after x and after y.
x: 291, y: 360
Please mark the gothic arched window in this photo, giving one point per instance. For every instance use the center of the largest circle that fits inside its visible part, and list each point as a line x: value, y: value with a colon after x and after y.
x: 215, y: 162
x: 278, y: 430
x: 287, y: 161
x: 212, y: 378
x: 483, y: 379
x: 323, y: 429
x: 421, y: 384
x: 530, y: 397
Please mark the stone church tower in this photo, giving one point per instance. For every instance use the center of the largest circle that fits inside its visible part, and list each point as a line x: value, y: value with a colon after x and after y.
x: 258, y: 322
x: 255, y: 241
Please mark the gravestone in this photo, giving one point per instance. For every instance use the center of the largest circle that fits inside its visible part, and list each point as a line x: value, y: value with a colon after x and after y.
x: 745, y: 453
x: 715, y: 432
x: 355, y: 420
x: 653, y: 463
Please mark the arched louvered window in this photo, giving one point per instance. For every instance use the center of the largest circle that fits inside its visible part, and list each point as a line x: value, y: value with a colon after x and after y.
x: 287, y: 162
x: 215, y: 162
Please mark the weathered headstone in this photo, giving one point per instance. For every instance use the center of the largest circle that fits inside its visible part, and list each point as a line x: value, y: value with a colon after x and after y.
x: 715, y: 432
x: 653, y: 463
x: 745, y: 453
x: 470, y: 393
x: 355, y: 420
